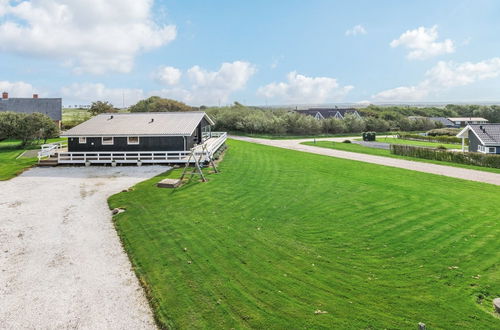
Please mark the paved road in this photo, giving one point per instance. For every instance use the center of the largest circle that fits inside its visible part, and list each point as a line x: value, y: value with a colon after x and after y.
x: 61, y: 263
x: 454, y: 172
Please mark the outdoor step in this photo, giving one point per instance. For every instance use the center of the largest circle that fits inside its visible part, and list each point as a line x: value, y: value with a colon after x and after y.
x: 46, y: 162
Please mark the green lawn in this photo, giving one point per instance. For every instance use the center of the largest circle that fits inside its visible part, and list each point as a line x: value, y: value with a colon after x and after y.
x: 280, y: 234
x: 9, y: 151
x: 417, y: 143
x: 10, y: 166
x: 386, y: 153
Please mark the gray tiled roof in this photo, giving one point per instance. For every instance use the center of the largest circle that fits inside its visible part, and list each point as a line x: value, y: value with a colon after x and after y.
x: 144, y: 123
x: 329, y: 112
x: 442, y: 120
x: 488, y: 133
x: 52, y: 107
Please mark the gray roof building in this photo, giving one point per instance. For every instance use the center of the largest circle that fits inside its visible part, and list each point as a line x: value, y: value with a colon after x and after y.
x: 445, y: 121
x: 140, y: 124
x: 51, y: 107
x: 483, y: 138
x: 323, y: 113
x: 488, y: 134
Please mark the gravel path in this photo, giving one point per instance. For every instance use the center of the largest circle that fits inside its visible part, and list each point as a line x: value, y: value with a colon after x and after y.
x: 61, y: 262
x: 374, y: 144
x: 454, y: 172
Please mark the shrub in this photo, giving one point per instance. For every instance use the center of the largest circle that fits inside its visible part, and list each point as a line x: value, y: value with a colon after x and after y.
x: 439, y: 139
x: 354, y: 124
x: 158, y: 104
x: 467, y: 158
x: 346, y: 141
x: 27, y: 127
x: 442, y: 147
x: 443, y: 132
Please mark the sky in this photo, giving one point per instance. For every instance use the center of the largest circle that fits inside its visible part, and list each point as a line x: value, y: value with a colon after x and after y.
x: 255, y: 52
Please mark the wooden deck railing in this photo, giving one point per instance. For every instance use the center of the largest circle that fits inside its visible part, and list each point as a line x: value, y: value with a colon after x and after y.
x: 135, y: 157
x: 50, y: 149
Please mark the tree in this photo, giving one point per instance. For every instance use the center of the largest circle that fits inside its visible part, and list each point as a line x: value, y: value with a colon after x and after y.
x: 99, y: 107
x: 9, y: 121
x: 158, y: 104
x: 34, y: 126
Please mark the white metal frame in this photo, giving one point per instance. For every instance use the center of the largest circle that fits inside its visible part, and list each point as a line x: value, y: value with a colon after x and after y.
x: 80, y: 139
x: 202, y: 152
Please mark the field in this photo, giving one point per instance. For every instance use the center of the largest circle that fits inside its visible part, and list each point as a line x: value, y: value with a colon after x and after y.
x: 9, y: 151
x: 73, y: 117
x: 386, y: 153
x: 282, y: 239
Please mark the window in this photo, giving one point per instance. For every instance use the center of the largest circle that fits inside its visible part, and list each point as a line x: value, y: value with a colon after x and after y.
x: 107, y: 141
x: 492, y: 150
x: 82, y: 140
x: 480, y: 148
x: 133, y: 140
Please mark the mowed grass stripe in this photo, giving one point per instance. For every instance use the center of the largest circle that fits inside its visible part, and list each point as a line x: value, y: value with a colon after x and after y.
x: 279, y: 234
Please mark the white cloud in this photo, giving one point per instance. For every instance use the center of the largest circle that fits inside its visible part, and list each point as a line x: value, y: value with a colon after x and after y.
x: 358, y: 29
x: 443, y: 76
x: 302, y: 89
x: 403, y: 94
x: 17, y: 89
x: 89, y: 92
x: 422, y: 43
x: 168, y: 75
x: 211, y: 87
x: 88, y: 35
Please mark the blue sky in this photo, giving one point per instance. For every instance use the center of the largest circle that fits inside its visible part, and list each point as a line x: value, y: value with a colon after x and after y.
x: 255, y: 52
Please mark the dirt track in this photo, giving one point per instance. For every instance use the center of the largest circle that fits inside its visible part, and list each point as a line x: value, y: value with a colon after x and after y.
x: 61, y: 262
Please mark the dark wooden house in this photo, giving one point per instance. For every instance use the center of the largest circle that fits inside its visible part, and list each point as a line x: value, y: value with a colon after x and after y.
x: 156, y: 131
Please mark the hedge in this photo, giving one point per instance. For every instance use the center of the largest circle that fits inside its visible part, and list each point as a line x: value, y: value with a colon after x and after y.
x: 467, y: 158
x: 438, y: 139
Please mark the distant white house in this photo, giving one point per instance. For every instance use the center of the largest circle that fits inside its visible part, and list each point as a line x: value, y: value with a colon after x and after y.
x: 464, y: 121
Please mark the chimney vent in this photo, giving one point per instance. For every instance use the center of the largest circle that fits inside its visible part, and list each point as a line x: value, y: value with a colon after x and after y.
x: 35, y: 96
x: 5, y: 95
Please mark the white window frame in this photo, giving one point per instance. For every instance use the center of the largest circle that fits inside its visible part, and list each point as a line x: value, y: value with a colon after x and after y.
x: 107, y: 143
x: 492, y: 152
x: 480, y: 148
x: 82, y: 140
x: 133, y: 143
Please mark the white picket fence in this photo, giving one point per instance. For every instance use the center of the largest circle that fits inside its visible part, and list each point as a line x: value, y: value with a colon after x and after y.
x: 138, y: 157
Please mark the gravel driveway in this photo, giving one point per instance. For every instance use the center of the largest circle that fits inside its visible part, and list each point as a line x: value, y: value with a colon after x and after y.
x: 454, y: 172
x: 61, y: 261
